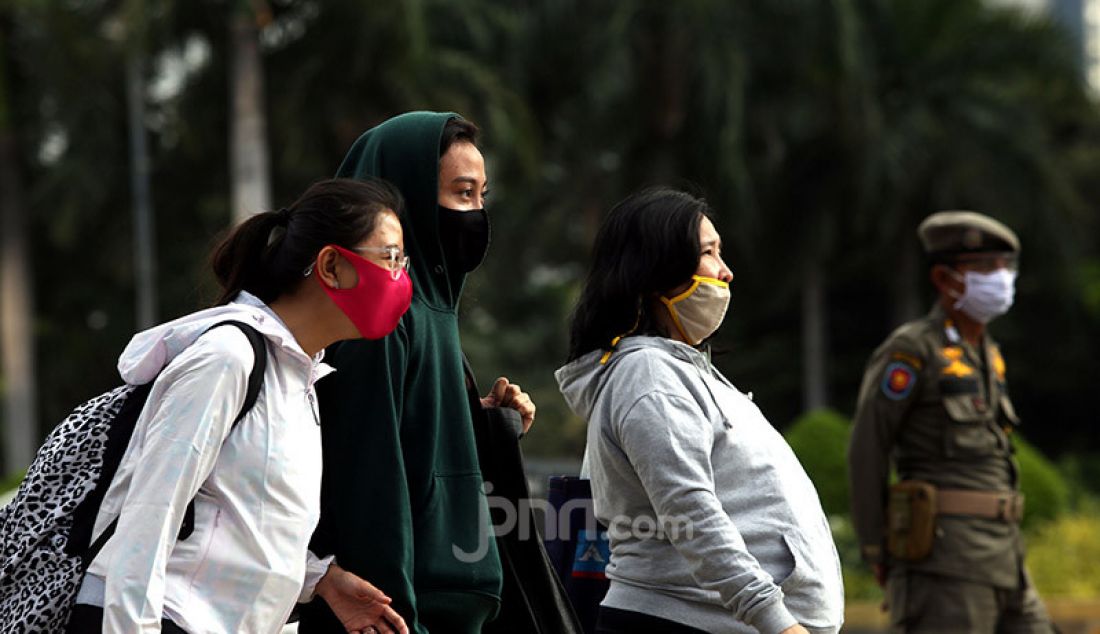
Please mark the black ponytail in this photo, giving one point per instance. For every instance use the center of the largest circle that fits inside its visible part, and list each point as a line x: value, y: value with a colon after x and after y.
x: 268, y: 253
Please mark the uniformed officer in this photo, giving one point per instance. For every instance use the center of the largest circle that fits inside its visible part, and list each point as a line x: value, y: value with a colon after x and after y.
x: 945, y: 540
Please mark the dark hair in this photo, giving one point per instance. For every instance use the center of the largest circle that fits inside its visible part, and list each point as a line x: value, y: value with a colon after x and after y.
x: 456, y: 130
x: 647, y: 245
x: 268, y: 253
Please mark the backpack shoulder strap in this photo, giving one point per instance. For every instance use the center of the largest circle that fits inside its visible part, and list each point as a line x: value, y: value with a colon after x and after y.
x: 256, y: 377
x: 252, y: 394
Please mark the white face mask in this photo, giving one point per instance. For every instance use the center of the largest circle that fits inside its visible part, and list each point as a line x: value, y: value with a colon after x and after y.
x: 987, y: 295
x: 699, y: 311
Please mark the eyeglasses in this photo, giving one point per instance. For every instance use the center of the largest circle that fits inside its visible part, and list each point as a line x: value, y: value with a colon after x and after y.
x: 396, y: 260
x: 986, y: 262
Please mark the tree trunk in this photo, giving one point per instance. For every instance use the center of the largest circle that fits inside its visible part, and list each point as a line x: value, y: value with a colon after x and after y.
x: 905, y: 290
x: 814, y: 328
x: 17, y: 307
x: 249, y: 163
x: 144, y: 236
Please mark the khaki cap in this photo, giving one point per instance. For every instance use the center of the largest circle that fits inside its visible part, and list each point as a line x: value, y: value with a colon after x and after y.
x: 947, y: 233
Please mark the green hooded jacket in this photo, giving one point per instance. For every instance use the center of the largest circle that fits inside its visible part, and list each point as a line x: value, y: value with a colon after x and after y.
x: 402, y: 496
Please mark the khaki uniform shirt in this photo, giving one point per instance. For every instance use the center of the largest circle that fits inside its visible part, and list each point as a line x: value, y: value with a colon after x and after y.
x: 938, y: 409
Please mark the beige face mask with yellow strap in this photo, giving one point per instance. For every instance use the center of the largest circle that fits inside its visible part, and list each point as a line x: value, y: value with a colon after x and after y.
x: 699, y: 311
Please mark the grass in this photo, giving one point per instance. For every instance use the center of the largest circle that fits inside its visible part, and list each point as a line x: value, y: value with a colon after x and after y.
x: 1063, y: 555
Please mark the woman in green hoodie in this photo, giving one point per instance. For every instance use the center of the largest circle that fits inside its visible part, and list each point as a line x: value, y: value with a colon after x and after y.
x: 407, y: 439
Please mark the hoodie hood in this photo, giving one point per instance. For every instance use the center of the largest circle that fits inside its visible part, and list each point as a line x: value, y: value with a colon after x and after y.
x: 151, y: 350
x: 404, y: 150
x: 582, y: 380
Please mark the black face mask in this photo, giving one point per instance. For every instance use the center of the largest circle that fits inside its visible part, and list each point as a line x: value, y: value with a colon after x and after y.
x: 464, y: 236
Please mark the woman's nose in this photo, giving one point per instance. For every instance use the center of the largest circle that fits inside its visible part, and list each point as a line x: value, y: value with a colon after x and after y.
x: 725, y: 274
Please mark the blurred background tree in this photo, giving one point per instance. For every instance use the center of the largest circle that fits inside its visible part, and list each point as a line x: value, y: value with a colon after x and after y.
x: 822, y: 132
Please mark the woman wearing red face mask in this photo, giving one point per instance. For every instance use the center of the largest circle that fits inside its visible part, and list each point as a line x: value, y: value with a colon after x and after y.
x: 245, y: 476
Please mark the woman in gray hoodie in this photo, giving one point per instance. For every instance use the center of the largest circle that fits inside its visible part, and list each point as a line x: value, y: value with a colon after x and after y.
x: 713, y: 524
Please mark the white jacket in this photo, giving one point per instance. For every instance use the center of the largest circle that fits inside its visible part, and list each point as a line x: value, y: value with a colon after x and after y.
x: 256, y: 486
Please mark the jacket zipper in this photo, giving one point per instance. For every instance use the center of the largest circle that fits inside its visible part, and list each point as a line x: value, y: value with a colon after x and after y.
x: 313, y: 406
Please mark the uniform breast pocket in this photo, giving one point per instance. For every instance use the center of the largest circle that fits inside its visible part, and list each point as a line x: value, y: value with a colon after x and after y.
x: 967, y: 433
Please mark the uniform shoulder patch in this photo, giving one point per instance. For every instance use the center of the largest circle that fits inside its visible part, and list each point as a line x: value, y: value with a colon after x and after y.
x: 898, y: 380
x: 907, y: 358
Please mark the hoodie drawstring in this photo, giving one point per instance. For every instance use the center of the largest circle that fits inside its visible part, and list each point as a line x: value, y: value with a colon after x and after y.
x: 616, y: 340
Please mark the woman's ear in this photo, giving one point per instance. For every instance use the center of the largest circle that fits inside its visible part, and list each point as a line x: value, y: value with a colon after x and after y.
x: 325, y: 267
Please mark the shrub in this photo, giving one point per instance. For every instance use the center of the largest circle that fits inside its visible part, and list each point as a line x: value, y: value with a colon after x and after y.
x: 1064, y: 551
x: 820, y: 440
x: 1081, y: 471
x: 859, y: 582
x: 1045, y: 491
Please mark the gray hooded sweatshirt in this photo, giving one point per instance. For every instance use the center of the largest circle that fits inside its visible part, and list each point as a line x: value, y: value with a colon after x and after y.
x: 713, y: 523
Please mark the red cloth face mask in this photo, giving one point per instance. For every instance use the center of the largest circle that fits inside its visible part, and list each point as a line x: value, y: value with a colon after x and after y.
x: 377, y: 302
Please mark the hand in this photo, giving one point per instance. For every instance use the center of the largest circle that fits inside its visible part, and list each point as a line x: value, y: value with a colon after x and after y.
x: 795, y: 629
x: 505, y: 394
x: 360, y: 606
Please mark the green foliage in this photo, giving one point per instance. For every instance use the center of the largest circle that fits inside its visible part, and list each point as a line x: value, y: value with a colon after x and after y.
x: 12, y: 482
x: 819, y: 131
x: 1089, y: 281
x: 1081, y: 470
x: 859, y: 582
x: 820, y: 440
x: 1046, y: 492
x: 1062, y: 556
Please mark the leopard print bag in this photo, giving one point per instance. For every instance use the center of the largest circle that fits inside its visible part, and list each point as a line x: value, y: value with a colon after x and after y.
x: 46, y: 530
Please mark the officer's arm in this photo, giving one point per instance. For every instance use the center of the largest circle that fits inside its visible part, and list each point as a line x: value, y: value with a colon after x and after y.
x: 886, y: 396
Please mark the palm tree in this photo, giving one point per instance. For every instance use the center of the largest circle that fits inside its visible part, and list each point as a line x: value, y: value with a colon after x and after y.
x: 802, y: 100
x: 17, y: 307
x: 964, y: 102
x: 144, y: 234
x: 249, y: 160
